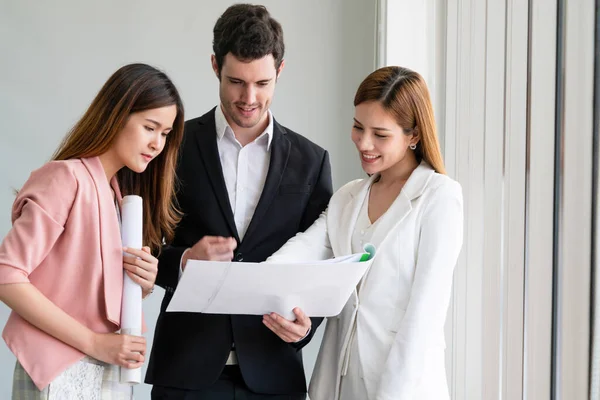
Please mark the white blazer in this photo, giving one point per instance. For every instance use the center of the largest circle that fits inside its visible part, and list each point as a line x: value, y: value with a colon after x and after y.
x: 403, y: 301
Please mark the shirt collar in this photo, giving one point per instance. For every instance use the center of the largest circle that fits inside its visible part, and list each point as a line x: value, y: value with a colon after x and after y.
x: 222, y: 125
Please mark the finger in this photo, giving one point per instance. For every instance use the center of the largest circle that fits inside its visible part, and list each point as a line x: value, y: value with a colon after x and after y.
x: 135, y: 343
x: 221, y: 248
x: 226, y: 257
x: 142, y: 282
x: 136, y: 339
x: 146, y: 256
x: 213, y: 239
x: 292, y: 329
x: 124, y: 363
x: 130, y: 364
x: 276, y: 330
x: 142, y: 265
x: 133, y: 356
x: 129, y: 259
x: 146, y: 249
x: 302, y: 318
x: 139, y: 271
x: 224, y: 239
x: 137, y: 348
x: 227, y: 242
x: 272, y: 325
x: 219, y: 254
x: 135, y: 365
x: 285, y: 327
x: 146, y: 266
x: 284, y: 323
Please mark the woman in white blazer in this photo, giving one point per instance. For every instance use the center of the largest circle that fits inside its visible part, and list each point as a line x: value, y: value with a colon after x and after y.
x: 388, y: 342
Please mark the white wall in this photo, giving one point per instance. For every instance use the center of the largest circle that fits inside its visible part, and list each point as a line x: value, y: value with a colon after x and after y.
x: 56, y: 55
x: 416, y: 39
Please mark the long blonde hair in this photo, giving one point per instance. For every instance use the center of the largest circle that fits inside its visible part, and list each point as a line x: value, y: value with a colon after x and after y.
x: 403, y: 93
x: 134, y: 88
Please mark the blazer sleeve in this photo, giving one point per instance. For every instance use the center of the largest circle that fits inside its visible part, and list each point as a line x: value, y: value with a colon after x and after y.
x: 313, y: 238
x: 169, y: 264
x: 311, y: 245
x: 39, y: 214
x: 439, y: 244
x: 320, y: 195
x: 314, y: 242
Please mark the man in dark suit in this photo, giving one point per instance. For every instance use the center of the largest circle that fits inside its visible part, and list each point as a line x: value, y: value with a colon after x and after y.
x: 248, y: 184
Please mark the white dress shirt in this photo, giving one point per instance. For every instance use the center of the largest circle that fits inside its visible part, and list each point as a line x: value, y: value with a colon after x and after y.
x: 244, y: 169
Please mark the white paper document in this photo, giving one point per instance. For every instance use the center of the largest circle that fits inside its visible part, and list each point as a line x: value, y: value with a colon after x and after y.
x: 319, y: 288
x: 131, y: 306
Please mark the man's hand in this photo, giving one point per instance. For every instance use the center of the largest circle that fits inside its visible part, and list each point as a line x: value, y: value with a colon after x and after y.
x: 288, y: 331
x: 210, y: 248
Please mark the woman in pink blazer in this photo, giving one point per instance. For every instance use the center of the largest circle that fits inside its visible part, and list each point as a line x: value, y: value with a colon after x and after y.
x: 61, y: 264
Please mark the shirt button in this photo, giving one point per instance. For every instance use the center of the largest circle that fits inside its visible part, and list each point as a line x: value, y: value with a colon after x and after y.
x: 362, y: 232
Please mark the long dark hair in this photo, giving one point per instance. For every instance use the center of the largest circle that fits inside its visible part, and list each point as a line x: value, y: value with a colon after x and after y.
x: 134, y: 88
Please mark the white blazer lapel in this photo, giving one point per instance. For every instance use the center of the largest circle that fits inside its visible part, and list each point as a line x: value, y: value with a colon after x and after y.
x: 401, y: 207
x: 348, y: 216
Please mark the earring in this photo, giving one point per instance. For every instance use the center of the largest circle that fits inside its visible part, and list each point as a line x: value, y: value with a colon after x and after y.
x: 412, y: 146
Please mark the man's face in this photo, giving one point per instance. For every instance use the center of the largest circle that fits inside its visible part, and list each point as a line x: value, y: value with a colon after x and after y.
x: 246, y: 89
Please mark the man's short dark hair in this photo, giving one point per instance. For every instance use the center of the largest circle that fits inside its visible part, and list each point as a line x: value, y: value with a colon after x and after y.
x: 249, y: 32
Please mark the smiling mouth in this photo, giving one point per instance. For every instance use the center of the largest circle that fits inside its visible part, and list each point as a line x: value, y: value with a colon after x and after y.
x: 247, y: 110
x: 369, y: 158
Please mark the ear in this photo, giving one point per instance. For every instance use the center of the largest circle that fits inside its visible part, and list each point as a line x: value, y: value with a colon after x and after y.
x: 215, y: 67
x: 415, y: 136
x: 280, y: 69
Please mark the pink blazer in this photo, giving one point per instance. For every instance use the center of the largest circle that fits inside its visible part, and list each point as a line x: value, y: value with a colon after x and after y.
x: 66, y: 241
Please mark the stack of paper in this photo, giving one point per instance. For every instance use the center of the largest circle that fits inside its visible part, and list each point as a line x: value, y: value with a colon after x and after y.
x: 320, y: 288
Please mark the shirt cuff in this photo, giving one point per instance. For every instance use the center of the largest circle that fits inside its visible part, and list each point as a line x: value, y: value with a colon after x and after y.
x: 305, y: 336
x: 181, y: 264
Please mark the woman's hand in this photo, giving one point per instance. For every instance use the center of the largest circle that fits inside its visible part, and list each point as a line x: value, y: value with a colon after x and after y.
x: 142, y: 267
x: 123, y: 350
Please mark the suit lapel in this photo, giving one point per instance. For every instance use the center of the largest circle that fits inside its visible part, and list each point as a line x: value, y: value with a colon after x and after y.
x: 110, y: 239
x: 206, y: 139
x: 280, y: 151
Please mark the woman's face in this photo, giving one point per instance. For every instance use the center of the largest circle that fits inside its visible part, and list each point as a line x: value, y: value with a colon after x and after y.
x: 380, y: 141
x: 143, y: 137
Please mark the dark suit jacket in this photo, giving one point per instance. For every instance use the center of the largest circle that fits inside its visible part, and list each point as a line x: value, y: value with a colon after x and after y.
x: 190, y: 350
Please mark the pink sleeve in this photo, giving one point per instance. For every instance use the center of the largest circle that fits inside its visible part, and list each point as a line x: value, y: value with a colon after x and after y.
x: 39, y: 214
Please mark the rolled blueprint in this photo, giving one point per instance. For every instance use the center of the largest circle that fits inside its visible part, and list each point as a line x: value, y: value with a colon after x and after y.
x: 131, y: 306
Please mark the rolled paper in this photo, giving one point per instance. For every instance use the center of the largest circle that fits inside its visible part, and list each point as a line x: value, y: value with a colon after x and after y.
x: 131, y: 306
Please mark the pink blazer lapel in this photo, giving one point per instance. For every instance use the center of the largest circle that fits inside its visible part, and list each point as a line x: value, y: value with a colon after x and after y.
x: 110, y: 239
